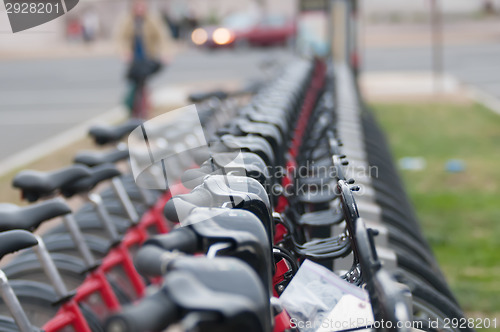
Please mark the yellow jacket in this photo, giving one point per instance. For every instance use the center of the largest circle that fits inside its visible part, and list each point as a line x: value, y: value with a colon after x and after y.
x: 156, y: 38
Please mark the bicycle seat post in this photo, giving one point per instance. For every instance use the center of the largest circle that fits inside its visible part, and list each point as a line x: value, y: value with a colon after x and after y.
x: 50, y: 268
x: 12, y: 303
x: 125, y: 201
x: 78, y: 239
x: 96, y: 201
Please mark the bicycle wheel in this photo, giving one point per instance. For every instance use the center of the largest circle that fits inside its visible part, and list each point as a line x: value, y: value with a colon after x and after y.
x: 113, y: 206
x: 430, y: 305
x: 37, y: 300
x: 89, y: 223
x: 63, y: 243
x: 416, y: 268
x: 27, y: 267
x: 8, y: 324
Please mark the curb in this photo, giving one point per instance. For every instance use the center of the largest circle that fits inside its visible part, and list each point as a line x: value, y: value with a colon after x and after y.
x: 484, y: 98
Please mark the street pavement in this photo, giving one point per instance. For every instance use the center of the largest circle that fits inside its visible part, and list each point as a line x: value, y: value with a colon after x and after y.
x: 477, y: 65
x: 471, y: 50
x: 42, y: 98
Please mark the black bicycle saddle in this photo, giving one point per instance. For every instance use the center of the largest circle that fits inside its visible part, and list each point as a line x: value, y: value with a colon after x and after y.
x: 106, y: 134
x: 95, y: 158
x: 224, y: 285
x: 97, y: 174
x: 30, y: 217
x: 272, y: 118
x: 221, y: 294
x: 197, y: 97
x: 224, y: 191
x: 206, y: 226
x: 15, y: 240
x: 36, y: 184
x: 236, y: 163
x: 255, y: 144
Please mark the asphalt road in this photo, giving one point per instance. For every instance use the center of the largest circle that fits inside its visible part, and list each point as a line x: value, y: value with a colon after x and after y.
x: 477, y: 65
x: 41, y: 98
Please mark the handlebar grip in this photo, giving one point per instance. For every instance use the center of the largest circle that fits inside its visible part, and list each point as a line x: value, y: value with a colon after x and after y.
x: 182, y: 239
x: 153, y: 313
x: 149, y: 261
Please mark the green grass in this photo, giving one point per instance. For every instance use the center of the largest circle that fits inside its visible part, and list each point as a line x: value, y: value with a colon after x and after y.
x: 459, y: 212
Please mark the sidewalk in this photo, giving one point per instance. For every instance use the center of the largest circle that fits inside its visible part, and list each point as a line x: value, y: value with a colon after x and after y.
x: 411, y: 87
x: 397, y: 59
x: 59, y: 50
x: 103, y: 48
x: 463, y: 32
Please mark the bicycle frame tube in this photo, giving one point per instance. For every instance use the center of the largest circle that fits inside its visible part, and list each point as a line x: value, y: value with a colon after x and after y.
x: 154, y: 216
x: 298, y: 134
x: 95, y: 282
x: 119, y: 256
x: 68, y: 315
x: 282, y: 322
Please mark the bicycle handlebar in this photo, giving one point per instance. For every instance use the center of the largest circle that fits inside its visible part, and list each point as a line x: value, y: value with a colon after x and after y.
x: 150, y: 261
x: 153, y: 313
x: 181, y: 239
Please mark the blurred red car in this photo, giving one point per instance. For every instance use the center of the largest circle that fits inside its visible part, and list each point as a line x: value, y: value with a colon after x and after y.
x: 241, y: 30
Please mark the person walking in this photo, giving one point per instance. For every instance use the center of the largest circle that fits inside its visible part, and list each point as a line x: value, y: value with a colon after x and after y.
x: 145, y: 45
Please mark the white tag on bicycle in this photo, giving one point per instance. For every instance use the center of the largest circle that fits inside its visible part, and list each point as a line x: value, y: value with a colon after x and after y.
x: 313, y: 293
x: 349, y: 313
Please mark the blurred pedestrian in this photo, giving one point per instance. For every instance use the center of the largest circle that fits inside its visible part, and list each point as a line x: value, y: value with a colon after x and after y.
x: 74, y: 29
x: 90, y: 25
x: 144, y: 44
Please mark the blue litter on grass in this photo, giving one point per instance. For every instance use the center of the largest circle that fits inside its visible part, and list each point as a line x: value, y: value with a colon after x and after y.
x: 455, y: 166
x: 412, y: 163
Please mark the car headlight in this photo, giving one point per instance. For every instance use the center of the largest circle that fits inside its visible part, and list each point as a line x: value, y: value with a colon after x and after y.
x: 222, y: 36
x: 199, y: 36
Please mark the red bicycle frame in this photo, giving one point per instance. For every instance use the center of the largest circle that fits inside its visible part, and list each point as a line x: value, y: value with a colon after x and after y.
x: 69, y: 315
x: 282, y: 321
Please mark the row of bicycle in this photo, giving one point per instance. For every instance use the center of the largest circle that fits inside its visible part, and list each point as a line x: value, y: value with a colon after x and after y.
x: 216, y: 221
